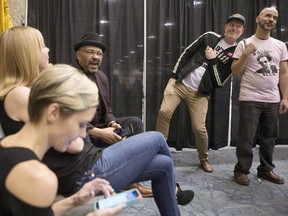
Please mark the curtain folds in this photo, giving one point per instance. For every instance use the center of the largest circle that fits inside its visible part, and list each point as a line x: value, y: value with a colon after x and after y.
x: 171, y: 26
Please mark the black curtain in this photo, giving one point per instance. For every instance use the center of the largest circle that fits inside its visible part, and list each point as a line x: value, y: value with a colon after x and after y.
x: 171, y: 26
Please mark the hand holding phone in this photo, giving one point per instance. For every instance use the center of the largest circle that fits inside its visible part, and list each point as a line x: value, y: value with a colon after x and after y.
x: 127, y: 197
x: 126, y: 131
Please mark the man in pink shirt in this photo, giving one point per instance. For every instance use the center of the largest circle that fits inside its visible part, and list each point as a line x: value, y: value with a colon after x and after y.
x: 262, y: 61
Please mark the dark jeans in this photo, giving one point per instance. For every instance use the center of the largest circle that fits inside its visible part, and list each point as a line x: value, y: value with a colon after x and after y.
x: 135, y: 121
x: 266, y: 116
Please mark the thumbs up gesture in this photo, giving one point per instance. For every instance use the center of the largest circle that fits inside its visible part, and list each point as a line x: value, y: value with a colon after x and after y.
x: 249, y: 48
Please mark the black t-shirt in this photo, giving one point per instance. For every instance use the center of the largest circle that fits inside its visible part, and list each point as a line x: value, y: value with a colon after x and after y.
x: 67, y: 167
x: 10, y: 205
x: 9, y: 126
x: 70, y: 167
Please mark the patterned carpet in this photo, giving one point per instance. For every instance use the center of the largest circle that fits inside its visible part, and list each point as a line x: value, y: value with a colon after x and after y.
x: 216, y: 194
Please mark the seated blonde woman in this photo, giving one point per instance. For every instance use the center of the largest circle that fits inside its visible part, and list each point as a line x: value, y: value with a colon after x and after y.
x: 61, y: 102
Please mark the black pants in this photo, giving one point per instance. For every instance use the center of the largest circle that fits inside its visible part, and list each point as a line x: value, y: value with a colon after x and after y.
x: 123, y: 121
x: 252, y: 114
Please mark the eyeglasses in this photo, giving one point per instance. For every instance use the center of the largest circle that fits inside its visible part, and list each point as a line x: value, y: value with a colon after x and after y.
x: 92, y: 53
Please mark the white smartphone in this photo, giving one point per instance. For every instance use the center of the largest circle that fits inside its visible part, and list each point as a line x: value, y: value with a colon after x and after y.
x: 126, y: 197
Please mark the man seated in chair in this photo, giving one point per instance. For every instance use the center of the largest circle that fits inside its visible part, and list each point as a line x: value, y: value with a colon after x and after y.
x: 89, y: 54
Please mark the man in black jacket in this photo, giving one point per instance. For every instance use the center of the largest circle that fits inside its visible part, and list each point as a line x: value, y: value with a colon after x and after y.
x: 203, y: 66
x: 102, y: 129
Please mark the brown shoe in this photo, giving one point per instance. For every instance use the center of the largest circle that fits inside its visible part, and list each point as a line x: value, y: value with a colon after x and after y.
x: 271, y: 176
x: 146, y: 192
x: 206, y: 166
x: 241, y: 178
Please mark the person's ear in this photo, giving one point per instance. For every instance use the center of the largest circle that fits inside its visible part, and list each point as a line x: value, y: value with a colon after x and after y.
x: 78, y: 54
x: 53, y: 112
x: 225, y: 26
x: 257, y: 19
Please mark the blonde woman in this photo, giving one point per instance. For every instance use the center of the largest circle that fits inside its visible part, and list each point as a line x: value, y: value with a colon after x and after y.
x: 19, y: 68
x: 62, y: 101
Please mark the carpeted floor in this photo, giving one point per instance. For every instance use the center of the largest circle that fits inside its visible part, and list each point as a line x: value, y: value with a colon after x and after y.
x: 216, y: 194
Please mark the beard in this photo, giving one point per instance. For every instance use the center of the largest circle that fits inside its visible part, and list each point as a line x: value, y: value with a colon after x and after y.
x: 234, y: 36
x: 266, y: 26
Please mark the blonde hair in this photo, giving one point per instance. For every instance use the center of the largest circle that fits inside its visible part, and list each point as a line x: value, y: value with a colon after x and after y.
x: 20, y: 51
x: 65, y: 85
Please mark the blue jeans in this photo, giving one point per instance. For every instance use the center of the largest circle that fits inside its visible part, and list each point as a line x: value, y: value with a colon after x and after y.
x: 141, y: 157
x: 252, y: 114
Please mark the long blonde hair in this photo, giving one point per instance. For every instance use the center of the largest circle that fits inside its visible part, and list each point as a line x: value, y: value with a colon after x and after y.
x: 20, y: 51
x: 65, y: 85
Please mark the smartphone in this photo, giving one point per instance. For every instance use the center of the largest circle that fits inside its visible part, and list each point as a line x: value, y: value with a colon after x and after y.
x: 127, y: 197
x: 125, y: 131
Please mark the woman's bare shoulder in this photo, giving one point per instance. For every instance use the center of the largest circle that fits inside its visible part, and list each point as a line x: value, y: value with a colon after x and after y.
x: 33, y: 182
x: 16, y: 103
